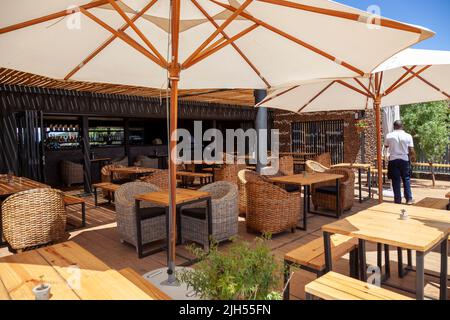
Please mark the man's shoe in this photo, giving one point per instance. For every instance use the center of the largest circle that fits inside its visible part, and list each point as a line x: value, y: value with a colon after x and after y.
x: 410, y: 202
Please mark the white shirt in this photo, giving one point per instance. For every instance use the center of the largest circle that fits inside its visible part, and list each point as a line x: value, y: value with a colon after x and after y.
x: 399, y: 143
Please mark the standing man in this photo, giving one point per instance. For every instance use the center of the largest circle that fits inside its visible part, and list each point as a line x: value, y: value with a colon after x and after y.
x: 401, y: 149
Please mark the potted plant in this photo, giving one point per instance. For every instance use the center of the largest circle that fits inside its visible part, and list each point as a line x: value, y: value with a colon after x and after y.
x: 361, y: 126
x: 243, y: 271
x: 42, y: 291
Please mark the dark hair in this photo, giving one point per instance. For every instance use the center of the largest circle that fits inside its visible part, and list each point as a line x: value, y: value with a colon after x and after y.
x: 398, y: 125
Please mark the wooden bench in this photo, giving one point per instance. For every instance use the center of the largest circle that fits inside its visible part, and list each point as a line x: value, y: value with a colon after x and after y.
x: 204, y: 177
x: 311, y: 257
x: 143, y: 284
x: 111, y: 188
x: 335, y: 286
x: 71, y: 201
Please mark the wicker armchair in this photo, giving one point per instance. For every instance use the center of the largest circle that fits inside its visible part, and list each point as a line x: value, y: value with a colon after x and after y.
x: 324, y: 159
x: 153, y: 229
x: 286, y: 165
x: 313, y: 166
x: 34, y: 218
x: 324, y: 194
x: 227, y: 172
x: 159, y: 179
x: 243, y: 177
x: 224, y: 209
x: 71, y: 173
x: 271, y: 209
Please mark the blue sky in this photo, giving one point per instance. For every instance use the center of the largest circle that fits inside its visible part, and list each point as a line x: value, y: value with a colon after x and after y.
x: 433, y: 14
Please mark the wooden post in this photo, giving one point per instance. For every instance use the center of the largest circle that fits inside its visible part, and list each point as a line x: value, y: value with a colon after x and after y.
x: 174, y: 77
x: 377, y: 107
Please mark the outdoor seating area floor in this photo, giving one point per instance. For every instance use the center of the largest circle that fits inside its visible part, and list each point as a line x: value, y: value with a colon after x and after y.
x: 100, y: 237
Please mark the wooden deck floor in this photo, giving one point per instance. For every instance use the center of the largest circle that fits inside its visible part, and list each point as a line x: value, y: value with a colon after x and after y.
x: 100, y: 237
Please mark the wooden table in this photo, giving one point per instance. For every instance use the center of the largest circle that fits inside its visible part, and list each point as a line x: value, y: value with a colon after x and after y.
x: 74, y: 274
x: 360, y: 167
x: 423, y: 231
x: 161, y: 198
x: 307, y: 180
x: 11, y: 186
x: 204, y: 177
x: 132, y: 171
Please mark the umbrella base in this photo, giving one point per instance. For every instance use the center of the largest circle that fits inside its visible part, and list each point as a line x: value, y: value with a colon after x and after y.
x: 177, y: 290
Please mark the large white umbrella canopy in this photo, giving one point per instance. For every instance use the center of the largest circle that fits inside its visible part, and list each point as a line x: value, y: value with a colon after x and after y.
x: 411, y: 76
x: 196, y: 44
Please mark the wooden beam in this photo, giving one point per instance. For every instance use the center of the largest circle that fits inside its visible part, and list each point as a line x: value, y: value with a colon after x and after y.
x: 230, y: 19
x: 345, y: 84
x: 138, y: 32
x: 430, y: 84
x: 316, y: 96
x: 364, y: 87
x: 235, y: 46
x: 292, y: 38
x: 398, y: 80
x: 108, y: 41
x: 414, y: 75
x: 210, y: 51
x: 346, y: 15
x: 123, y: 36
x: 52, y: 16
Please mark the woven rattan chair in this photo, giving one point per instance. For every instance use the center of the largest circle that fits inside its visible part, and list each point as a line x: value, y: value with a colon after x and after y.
x: 159, y: 179
x: 324, y: 194
x: 313, y: 166
x: 224, y: 209
x: 324, y: 159
x: 227, y: 172
x: 271, y: 209
x: 71, y: 173
x: 286, y: 165
x: 34, y: 218
x: 153, y: 229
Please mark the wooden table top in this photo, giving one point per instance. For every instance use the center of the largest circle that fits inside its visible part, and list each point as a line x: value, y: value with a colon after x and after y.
x: 73, y: 272
x: 308, y: 179
x: 381, y: 224
x: 100, y: 159
x: 194, y: 174
x: 352, y: 165
x: 133, y: 170
x: 182, y: 196
x: 17, y: 184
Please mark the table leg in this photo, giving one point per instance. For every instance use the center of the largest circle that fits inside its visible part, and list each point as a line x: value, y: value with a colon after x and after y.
x: 420, y: 275
x: 401, y: 272
x: 380, y: 257
x: 138, y: 229
x: 209, y: 213
x: 387, y: 262
x: 369, y: 182
x: 444, y: 269
x: 305, y: 208
x: 95, y: 196
x: 327, y: 249
x: 362, y: 260
x: 338, y: 200
x: 409, y: 257
x: 83, y: 214
x: 360, y: 186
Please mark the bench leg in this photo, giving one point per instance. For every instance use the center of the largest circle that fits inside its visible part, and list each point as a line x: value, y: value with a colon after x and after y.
x: 287, y: 282
x: 83, y: 215
x: 409, y: 255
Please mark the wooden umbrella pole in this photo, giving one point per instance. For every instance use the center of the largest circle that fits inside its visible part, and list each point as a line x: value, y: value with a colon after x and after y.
x: 377, y: 107
x: 174, y: 77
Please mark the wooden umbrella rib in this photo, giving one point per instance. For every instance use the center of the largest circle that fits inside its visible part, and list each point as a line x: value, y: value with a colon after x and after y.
x: 277, y: 95
x: 292, y: 38
x: 364, y: 87
x: 51, y: 16
x: 346, y: 15
x: 138, y: 32
x: 233, y: 44
x: 221, y: 45
x: 399, y: 80
x: 107, y: 42
x: 317, y: 96
x: 345, y: 84
x: 123, y: 36
x: 230, y: 19
x: 414, y: 75
x: 429, y: 83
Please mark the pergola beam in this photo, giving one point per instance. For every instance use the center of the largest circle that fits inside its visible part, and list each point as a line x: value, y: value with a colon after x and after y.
x: 233, y: 44
x: 52, y: 16
x: 123, y: 36
x: 138, y: 32
x: 346, y: 15
x: 291, y: 38
x: 221, y: 28
x: 108, y: 41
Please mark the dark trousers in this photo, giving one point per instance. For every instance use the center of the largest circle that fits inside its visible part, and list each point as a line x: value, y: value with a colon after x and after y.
x: 400, y: 171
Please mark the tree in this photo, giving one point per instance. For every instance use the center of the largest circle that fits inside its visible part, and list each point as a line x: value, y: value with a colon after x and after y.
x: 428, y: 123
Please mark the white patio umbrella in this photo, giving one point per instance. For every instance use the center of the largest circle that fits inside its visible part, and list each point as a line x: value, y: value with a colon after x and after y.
x: 196, y: 44
x: 411, y: 76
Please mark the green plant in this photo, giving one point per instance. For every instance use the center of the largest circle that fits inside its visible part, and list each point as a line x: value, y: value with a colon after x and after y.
x: 362, y: 124
x: 428, y: 123
x: 246, y: 271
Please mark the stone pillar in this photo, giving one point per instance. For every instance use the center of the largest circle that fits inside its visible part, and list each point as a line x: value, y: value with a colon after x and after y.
x: 261, y: 124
